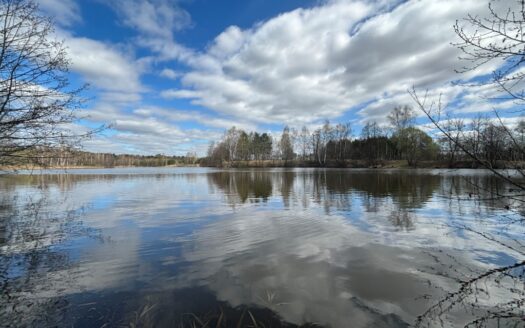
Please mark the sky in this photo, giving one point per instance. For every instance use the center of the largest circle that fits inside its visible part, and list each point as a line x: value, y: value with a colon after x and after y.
x: 169, y: 76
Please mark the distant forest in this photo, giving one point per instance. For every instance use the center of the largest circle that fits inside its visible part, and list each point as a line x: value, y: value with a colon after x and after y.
x: 75, y: 158
x: 333, y: 145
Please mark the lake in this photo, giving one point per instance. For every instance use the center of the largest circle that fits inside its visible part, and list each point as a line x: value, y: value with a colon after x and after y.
x: 195, y: 247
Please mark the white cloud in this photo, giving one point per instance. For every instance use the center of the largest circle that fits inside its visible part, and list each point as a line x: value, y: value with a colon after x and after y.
x: 64, y: 12
x: 155, y: 21
x: 176, y: 115
x: 152, y: 17
x: 170, y: 74
x: 313, y: 64
x: 152, y: 130
x: 103, y: 66
x: 228, y: 42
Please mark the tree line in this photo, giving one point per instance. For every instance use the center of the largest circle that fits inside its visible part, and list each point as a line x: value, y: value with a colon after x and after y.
x: 399, y: 140
x: 70, y: 157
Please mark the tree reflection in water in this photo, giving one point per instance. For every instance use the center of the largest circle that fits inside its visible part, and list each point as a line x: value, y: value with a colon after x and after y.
x: 494, y: 296
x: 491, y: 297
x: 242, y: 186
x: 33, y: 267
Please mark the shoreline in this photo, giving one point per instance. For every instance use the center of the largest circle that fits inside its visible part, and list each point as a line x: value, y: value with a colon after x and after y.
x: 39, y: 168
x: 349, y: 164
x: 357, y: 164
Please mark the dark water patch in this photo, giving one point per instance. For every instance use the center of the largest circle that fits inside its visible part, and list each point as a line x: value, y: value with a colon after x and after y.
x: 190, y: 307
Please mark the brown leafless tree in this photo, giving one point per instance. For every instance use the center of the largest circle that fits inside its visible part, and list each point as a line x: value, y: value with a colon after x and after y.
x: 401, y: 117
x: 455, y: 127
x: 497, y: 39
x: 37, y: 101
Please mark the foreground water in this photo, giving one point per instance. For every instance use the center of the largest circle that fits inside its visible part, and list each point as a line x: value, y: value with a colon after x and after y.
x: 263, y: 248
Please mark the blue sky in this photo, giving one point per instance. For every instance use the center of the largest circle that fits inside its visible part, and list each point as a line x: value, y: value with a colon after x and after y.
x: 172, y: 75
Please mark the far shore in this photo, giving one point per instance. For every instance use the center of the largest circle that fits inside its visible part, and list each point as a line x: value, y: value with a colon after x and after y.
x: 397, y: 164
x: 37, y: 168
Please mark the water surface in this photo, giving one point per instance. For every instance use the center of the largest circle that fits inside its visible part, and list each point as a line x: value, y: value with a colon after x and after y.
x: 263, y: 247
